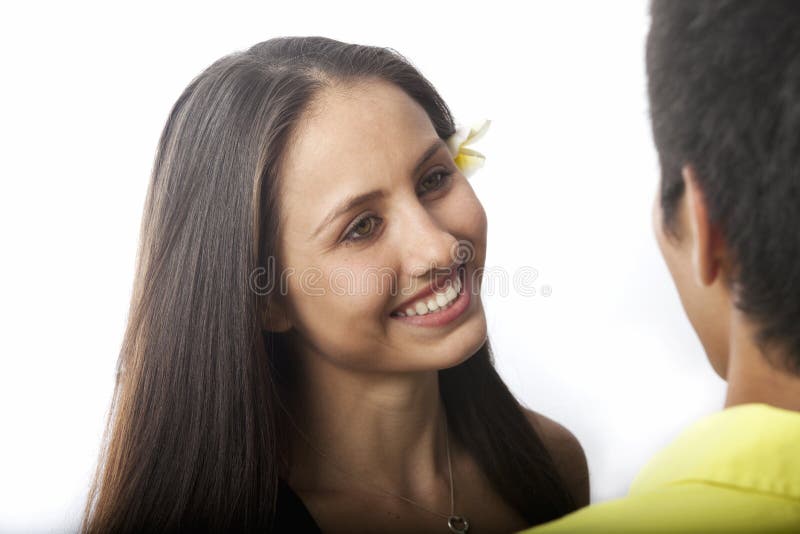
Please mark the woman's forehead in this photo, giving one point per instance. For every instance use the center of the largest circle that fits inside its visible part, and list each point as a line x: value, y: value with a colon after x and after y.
x: 353, y: 138
x: 349, y: 122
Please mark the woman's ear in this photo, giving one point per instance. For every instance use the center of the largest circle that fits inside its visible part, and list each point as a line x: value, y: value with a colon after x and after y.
x: 274, y: 317
x: 707, y: 249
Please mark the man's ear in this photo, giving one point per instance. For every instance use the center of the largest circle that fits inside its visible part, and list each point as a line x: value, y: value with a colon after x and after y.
x: 274, y: 317
x: 706, y: 240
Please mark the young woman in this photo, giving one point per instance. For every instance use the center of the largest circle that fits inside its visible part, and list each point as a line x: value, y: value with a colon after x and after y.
x: 306, y: 346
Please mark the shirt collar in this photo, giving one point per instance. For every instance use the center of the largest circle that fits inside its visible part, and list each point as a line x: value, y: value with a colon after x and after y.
x: 751, y: 446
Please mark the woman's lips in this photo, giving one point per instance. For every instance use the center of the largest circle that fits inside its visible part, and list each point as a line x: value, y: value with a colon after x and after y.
x: 449, y: 313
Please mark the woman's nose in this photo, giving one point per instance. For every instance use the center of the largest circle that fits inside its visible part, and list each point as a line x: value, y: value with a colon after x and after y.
x: 429, y: 247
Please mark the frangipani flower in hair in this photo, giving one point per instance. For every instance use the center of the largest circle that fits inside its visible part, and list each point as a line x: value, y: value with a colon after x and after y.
x: 467, y: 159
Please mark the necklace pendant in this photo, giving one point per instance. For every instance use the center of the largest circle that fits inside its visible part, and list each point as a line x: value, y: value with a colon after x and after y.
x: 458, y: 524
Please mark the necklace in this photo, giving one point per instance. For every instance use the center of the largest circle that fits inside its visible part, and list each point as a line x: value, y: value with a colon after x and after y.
x: 456, y: 523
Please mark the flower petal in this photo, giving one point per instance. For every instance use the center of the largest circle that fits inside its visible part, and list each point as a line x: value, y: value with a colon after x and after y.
x: 477, y: 131
x: 469, y: 161
x: 455, y: 141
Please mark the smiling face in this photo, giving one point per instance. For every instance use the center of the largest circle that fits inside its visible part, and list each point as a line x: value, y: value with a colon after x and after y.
x: 353, y: 265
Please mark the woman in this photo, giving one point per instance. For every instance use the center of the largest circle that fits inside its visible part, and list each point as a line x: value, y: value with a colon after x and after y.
x: 279, y: 371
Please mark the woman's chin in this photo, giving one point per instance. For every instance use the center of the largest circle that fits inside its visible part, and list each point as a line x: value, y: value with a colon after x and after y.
x: 463, y: 344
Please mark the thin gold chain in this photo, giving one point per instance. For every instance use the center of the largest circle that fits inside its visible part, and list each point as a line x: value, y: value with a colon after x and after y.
x: 384, y: 491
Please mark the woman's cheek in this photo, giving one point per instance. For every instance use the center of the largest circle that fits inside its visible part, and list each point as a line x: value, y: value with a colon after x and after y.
x: 467, y: 217
x: 359, y: 286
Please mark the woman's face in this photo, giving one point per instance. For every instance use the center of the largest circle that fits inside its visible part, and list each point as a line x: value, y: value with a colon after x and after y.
x: 350, y: 266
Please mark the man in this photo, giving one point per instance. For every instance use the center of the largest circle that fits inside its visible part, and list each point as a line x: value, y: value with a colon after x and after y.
x: 724, y: 89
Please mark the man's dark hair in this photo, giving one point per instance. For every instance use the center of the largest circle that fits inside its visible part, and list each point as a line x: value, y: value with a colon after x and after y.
x: 724, y: 88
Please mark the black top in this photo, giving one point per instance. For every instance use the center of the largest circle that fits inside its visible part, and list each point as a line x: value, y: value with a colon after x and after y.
x: 291, y: 515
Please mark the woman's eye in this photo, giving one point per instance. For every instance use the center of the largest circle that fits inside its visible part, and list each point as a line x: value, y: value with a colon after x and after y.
x: 363, y: 228
x: 433, y: 181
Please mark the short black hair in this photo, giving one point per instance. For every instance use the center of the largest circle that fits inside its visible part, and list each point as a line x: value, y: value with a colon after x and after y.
x: 724, y: 90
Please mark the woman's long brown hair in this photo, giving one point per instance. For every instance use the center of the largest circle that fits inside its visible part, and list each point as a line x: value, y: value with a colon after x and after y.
x: 195, y: 439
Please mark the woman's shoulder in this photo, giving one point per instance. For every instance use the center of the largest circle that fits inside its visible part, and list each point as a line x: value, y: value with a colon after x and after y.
x: 567, y: 453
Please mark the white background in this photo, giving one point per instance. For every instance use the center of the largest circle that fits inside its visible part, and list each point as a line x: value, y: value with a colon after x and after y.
x: 568, y: 186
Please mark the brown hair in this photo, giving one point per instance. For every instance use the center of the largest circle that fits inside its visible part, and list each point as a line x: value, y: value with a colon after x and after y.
x: 195, y: 438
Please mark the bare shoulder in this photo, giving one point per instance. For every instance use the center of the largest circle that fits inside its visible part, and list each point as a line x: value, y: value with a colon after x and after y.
x: 567, y: 454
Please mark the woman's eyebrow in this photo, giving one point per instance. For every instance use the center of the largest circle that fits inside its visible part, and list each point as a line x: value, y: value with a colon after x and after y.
x: 346, y: 205
x: 432, y: 149
x: 354, y: 200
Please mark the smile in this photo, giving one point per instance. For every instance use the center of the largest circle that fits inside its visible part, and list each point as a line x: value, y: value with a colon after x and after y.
x: 435, y: 303
x: 439, y: 308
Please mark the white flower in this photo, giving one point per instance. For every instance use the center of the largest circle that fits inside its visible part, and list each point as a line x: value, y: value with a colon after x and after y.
x: 467, y: 159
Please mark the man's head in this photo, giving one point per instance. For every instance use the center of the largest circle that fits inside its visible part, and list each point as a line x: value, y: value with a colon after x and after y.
x: 724, y: 88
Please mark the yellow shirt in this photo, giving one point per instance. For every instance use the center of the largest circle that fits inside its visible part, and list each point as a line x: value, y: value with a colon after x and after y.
x: 735, y: 471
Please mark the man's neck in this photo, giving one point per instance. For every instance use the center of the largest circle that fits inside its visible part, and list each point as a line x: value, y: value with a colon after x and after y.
x: 756, y: 376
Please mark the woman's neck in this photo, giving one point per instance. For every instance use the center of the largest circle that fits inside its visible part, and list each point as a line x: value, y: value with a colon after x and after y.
x: 368, y: 431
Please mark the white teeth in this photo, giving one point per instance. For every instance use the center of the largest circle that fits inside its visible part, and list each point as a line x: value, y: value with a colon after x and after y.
x: 450, y: 294
x: 438, y: 301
